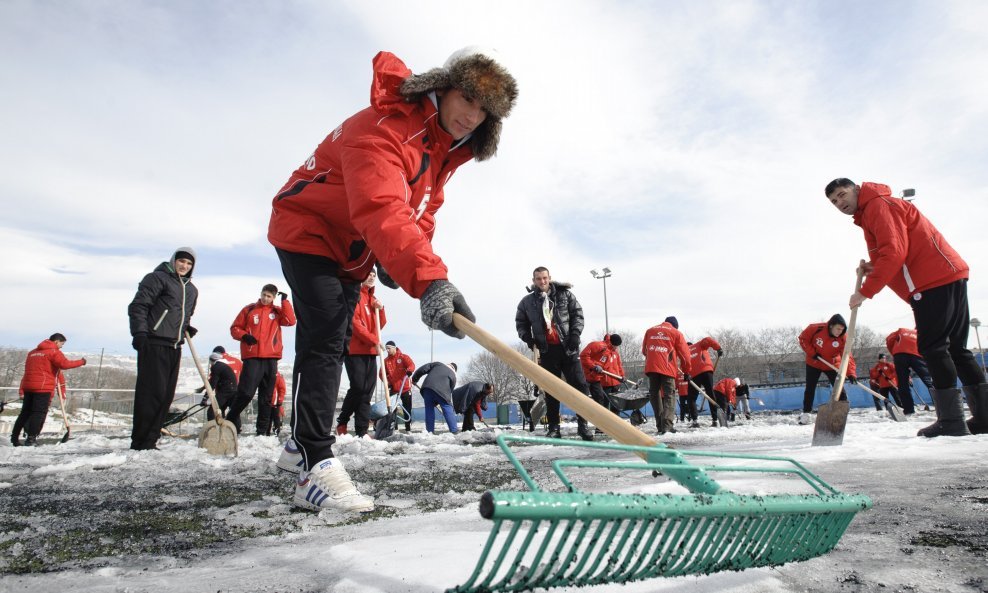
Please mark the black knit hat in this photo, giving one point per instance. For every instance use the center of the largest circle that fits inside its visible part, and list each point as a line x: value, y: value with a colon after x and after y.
x: 672, y: 321
x: 615, y: 340
x: 390, y: 343
x: 220, y: 349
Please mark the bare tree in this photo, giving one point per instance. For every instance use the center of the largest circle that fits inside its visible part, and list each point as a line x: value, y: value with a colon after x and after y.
x: 508, y: 385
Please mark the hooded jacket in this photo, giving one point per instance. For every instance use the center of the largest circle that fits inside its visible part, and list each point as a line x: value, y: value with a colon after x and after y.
x: 567, y: 315
x: 439, y: 377
x: 396, y: 367
x: 42, y: 368
x: 665, y: 350
x: 371, y: 189
x: 365, y: 338
x: 908, y: 253
x: 604, y: 354
x: 700, y: 361
x: 264, y: 322
x: 902, y: 341
x: 816, y: 340
x: 164, y: 304
x: 728, y: 388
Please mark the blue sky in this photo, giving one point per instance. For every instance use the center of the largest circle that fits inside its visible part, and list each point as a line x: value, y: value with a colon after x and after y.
x: 683, y: 145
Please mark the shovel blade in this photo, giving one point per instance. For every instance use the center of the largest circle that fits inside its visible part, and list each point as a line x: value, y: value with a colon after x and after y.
x: 219, y: 438
x: 831, y: 420
x: 722, y: 417
x: 895, y: 412
x: 538, y: 409
x: 385, y: 427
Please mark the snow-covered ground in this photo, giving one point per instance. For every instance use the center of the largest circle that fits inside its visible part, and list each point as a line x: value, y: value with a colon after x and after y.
x: 90, y: 515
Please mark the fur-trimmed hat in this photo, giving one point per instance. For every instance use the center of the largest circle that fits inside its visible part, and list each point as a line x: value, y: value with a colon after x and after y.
x: 480, y: 73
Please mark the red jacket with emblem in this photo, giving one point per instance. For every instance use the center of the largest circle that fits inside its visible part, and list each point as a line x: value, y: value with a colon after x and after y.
x: 602, y: 353
x: 397, y: 367
x: 264, y: 322
x: 42, y: 366
x: 371, y: 189
x: 365, y: 337
x: 883, y: 375
x: 902, y: 341
x: 729, y: 388
x: 700, y: 361
x: 665, y: 350
x: 908, y: 253
x: 280, y: 389
x: 817, y: 341
x: 682, y: 386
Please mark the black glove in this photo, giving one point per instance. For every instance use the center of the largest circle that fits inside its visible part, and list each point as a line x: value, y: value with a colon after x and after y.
x: 720, y: 353
x: 438, y: 303
x: 201, y: 389
x: 191, y: 331
x: 384, y: 277
x: 248, y: 339
x: 686, y: 377
x: 530, y: 343
x: 597, y: 368
x: 572, y: 343
x: 283, y: 295
x: 139, y: 341
x: 852, y: 379
x: 408, y: 373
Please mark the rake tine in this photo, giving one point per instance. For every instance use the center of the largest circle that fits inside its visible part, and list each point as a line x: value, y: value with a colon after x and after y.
x: 602, y: 549
x: 517, y: 561
x: 560, y: 568
x: 633, y: 551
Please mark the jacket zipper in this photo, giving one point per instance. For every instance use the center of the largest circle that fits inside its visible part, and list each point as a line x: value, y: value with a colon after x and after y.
x: 160, y: 319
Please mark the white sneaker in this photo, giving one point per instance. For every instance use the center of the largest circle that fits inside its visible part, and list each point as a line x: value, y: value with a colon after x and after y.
x: 805, y: 418
x: 328, y: 486
x: 290, y: 459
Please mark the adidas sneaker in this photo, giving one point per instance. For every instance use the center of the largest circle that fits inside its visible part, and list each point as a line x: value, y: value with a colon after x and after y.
x: 328, y: 486
x: 290, y: 459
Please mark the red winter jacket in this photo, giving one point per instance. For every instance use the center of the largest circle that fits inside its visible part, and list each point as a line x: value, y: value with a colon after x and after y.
x: 365, y: 337
x: 883, y: 375
x: 397, y: 367
x: 729, y: 389
x: 264, y: 322
x: 902, y: 341
x: 700, y: 361
x: 665, y: 350
x: 42, y: 366
x: 602, y: 353
x: 817, y: 341
x: 682, y: 386
x: 280, y: 389
x: 908, y: 253
x: 371, y: 189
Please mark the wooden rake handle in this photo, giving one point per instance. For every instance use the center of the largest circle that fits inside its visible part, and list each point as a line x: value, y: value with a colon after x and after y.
x: 846, y: 355
x: 217, y: 414
x: 600, y: 416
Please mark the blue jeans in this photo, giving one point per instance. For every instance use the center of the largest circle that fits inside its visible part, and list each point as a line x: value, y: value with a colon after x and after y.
x: 432, y: 399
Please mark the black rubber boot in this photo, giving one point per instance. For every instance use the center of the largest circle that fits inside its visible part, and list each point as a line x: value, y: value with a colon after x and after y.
x: 553, y: 432
x: 977, y: 402
x: 31, y: 441
x: 583, y: 430
x: 15, y: 440
x: 950, y: 415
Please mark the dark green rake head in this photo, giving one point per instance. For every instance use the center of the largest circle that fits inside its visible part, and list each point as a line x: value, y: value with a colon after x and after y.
x: 549, y: 539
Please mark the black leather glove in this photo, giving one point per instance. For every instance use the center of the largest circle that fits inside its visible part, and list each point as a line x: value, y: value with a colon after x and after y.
x: 191, y: 331
x: 572, y: 343
x: 852, y: 379
x: 720, y: 353
x: 139, y: 341
x: 385, y: 278
x: 530, y: 343
x: 201, y: 389
x: 438, y: 303
x: 686, y: 377
x: 283, y: 295
x: 248, y: 339
x: 597, y: 368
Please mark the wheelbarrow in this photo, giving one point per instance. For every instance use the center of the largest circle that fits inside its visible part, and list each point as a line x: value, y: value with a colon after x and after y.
x: 628, y: 401
x: 543, y: 539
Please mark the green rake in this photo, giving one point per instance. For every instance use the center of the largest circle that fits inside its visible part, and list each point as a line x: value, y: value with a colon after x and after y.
x: 543, y: 539
x: 552, y: 539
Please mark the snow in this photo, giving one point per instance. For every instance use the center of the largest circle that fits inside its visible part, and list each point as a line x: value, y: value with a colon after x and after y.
x: 927, y: 532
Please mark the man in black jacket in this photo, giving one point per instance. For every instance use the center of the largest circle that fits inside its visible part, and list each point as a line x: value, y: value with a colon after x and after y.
x: 551, y: 319
x: 159, y: 317
x: 437, y: 390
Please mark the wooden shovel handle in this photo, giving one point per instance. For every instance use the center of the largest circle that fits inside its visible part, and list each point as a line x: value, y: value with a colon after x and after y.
x: 868, y: 389
x: 217, y: 414
x: 846, y: 355
x: 600, y: 416
x: 618, y: 377
x: 703, y: 393
x: 380, y: 355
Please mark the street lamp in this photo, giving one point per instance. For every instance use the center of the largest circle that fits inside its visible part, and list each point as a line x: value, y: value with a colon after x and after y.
x: 603, y: 275
x: 976, y: 323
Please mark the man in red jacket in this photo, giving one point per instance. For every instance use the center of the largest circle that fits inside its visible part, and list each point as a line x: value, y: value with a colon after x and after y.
x: 823, y: 341
x: 883, y: 375
x: 258, y: 329
x: 905, y: 356
x: 909, y: 255
x: 369, y: 195
x: 598, y: 356
x: 42, y: 371
x: 361, y: 360
x: 702, y: 372
x: 278, y: 403
x: 398, y: 368
x: 666, y: 353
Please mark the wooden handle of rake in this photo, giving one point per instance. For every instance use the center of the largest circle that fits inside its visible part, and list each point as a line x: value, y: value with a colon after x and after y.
x: 590, y: 410
x: 619, y: 378
x: 846, y: 355
x: 704, y: 393
x: 380, y: 356
x: 217, y: 413
x: 868, y: 389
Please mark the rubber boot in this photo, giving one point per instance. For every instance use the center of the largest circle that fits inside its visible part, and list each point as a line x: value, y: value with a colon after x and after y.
x: 15, y: 440
x: 583, y: 430
x: 31, y: 441
x: 950, y: 415
x: 977, y: 402
x: 553, y: 432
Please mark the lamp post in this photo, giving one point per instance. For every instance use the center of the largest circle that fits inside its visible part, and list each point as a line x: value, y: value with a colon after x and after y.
x: 976, y: 323
x: 604, y: 274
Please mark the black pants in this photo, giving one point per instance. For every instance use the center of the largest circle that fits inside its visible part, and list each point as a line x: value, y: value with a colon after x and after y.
x: 525, y: 406
x: 468, y: 418
x: 223, y: 401
x: 276, y: 412
x: 157, y: 376
x: 706, y: 381
x: 661, y: 394
x: 942, y: 325
x: 903, y: 364
x: 812, y: 378
x: 556, y: 361
x: 406, y: 409
x: 361, y: 370
x: 324, y: 308
x: 259, y: 375
x: 34, y: 412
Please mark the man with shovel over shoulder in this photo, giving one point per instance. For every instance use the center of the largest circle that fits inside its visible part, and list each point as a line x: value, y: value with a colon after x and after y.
x: 909, y: 255
x: 824, y: 342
